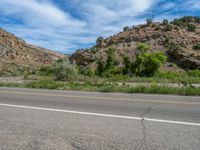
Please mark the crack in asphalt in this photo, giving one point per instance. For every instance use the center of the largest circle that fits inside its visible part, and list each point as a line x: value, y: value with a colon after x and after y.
x: 143, y: 144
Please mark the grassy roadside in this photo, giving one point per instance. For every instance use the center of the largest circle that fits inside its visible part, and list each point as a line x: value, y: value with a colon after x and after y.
x: 107, y: 87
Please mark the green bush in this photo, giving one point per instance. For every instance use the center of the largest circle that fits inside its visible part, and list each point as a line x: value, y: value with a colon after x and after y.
x: 149, y: 21
x: 165, y: 22
x: 126, y: 28
x: 100, y: 67
x: 25, y: 75
x: 90, y: 72
x: 174, y: 47
x: 197, y: 19
x: 169, y: 27
x: 194, y: 73
x: 46, y: 84
x: 169, y: 75
x: 63, y: 70
x: 99, y: 40
x: 127, y: 65
x: 111, y: 58
x: 147, y: 63
x: 108, y: 68
x: 191, y: 27
x: 196, y: 47
x: 111, y: 72
x: 46, y: 71
x: 108, y: 87
x: 142, y: 48
x: 157, y: 28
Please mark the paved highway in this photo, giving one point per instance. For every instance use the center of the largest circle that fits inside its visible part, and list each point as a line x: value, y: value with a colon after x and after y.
x: 63, y: 120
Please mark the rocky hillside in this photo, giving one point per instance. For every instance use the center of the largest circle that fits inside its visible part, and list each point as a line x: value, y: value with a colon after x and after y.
x: 179, y: 40
x: 16, y: 53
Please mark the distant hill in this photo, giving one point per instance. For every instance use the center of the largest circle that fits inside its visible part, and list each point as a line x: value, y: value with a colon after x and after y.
x: 15, y: 53
x: 179, y: 40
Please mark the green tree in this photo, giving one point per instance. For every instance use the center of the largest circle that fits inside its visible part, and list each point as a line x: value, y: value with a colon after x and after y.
x: 100, y: 67
x: 147, y: 63
x: 111, y: 58
x: 126, y: 28
x: 99, y: 40
x: 150, y: 62
x: 108, y: 68
x: 127, y: 65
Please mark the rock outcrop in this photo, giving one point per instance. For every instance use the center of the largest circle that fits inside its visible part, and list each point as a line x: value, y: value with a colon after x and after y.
x: 160, y: 36
x: 15, y: 52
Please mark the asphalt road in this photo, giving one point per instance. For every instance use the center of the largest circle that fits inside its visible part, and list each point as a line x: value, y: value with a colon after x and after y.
x: 64, y: 120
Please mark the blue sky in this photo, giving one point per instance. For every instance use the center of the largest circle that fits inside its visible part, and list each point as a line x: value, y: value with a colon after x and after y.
x: 67, y: 25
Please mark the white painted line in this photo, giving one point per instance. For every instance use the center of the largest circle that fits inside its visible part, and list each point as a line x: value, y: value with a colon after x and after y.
x: 103, y: 115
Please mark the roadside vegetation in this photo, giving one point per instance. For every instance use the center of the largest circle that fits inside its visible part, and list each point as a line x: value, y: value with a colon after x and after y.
x: 109, y: 76
x: 107, y: 87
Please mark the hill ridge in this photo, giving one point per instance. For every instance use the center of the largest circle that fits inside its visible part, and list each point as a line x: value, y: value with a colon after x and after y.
x: 182, y: 34
x: 15, y: 53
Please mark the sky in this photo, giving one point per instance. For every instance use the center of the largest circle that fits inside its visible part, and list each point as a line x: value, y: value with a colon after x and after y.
x: 67, y: 25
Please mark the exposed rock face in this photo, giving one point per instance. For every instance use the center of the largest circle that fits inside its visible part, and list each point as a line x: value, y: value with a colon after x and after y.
x: 83, y: 58
x: 185, y: 58
x: 15, y: 52
x: 158, y: 35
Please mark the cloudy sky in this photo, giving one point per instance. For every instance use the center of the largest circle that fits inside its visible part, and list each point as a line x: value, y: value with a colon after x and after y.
x: 67, y: 25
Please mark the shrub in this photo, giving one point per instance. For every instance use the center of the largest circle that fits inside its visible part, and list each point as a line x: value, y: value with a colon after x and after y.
x: 46, y: 70
x: 149, y: 21
x: 165, y: 22
x: 191, y: 27
x: 111, y: 58
x: 193, y: 73
x: 187, y: 19
x: 26, y: 74
x: 166, y: 40
x: 147, y: 63
x: 108, y: 68
x: 111, y: 72
x: 174, y: 47
x: 100, y: 67
x: 99, y: 40
x: 179, y: 23
x: 90, y: 72
x: 169, y: 27
x: 127, y: 65
x: 197, y: 19
x: 142, y: 48
x: 64, y: 70
x: 196, y: 47
x: 125, y: 28
x: 157, y: 28
x: 47, y: 84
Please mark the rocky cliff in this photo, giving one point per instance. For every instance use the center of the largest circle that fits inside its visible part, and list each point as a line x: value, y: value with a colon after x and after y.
x: 16, y: 53
x: 179, y: 40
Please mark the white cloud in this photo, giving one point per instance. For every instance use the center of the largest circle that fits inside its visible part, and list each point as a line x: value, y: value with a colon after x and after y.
x: 47, y: 25
x: 168, y: 5
x: 38, y: 13
x: 194, y: 4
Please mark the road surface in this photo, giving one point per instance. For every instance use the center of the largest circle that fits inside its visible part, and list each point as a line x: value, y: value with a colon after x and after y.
x: 34, y: 119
